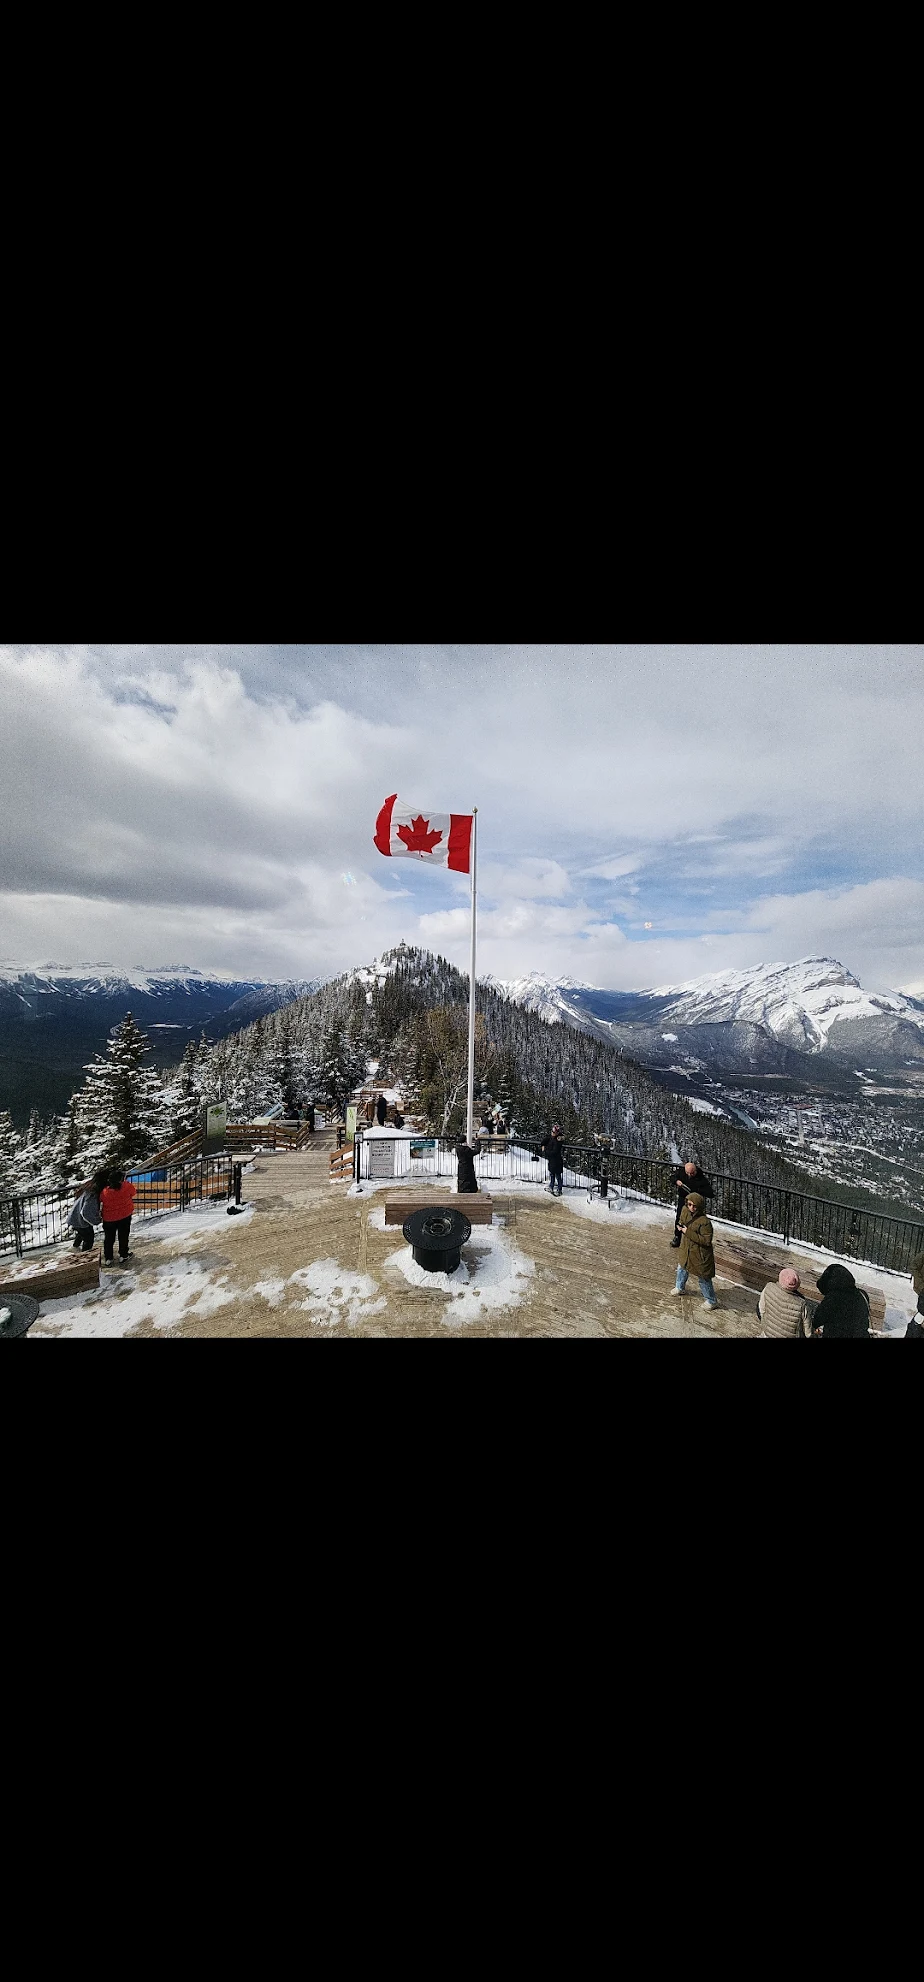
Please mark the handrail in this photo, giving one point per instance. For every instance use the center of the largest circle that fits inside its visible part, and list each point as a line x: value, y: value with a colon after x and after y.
x: 40, y: 1217
x: 878, y: 1238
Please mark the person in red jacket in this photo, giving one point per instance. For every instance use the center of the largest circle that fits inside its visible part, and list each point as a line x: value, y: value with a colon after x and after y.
x: 116, y: 1203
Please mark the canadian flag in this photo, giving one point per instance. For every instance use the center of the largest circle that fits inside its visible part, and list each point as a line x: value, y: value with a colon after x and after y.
x: 442, y: 838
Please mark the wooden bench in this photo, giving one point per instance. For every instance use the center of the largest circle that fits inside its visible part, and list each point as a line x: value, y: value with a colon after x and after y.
x: 476, y: 1206
x: 747, y: 1265
x: 51, y: 1279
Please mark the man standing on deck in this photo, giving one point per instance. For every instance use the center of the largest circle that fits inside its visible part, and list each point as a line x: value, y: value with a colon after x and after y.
x: 553, y: 1150
x: 687, y: 1177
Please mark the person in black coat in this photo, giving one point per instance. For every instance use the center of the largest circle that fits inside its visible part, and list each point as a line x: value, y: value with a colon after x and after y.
x: 381, y: 1110
x: 553, y: 1150
x: 844, y: 1310
x: 687, y: 1177
x: 466, y: 1179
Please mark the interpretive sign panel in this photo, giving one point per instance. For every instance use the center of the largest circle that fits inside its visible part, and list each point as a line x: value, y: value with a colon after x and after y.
x: 381, y: 1158
x: 214, y: 1127
x: 351, y: 1121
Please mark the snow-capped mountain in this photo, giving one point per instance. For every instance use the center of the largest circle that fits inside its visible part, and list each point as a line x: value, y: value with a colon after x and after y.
x: 545, y: 995
x: 54, y: 1017
x: 771, y: 1019
x: 801, y: 1003
x: 31, y: 982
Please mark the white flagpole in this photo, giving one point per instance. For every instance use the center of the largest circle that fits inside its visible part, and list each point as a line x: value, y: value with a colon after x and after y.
x: 471, y: 994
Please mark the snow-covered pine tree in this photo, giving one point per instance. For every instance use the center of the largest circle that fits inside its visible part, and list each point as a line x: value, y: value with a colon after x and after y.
x: 10, y: 1157
x: 185, y: 1103
x: 506, y: 1094
x: 120, y: 1109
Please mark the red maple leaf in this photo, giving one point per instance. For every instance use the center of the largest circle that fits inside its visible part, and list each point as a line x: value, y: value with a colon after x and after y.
x: 416, y: 837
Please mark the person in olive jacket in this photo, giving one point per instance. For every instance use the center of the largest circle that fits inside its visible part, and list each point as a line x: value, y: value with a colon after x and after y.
x: 687, y: 1177
x: 696, y: 1254
x: 844, y: 1311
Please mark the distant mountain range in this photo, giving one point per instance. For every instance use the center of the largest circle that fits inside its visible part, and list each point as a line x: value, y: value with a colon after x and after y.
x: 806, y: 1020
x: 809, y: 1021
x: 54, y: 1017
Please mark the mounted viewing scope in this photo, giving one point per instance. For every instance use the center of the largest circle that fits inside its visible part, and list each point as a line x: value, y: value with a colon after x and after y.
x: 436, y: 1238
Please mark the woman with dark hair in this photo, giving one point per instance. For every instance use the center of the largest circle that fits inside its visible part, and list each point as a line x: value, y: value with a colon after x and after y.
x: 844, y: 1310
x: 86, y: 1214
x: 116, y: 1204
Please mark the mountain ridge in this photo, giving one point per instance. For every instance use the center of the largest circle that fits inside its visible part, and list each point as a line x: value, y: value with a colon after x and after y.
x: 775, y: 1018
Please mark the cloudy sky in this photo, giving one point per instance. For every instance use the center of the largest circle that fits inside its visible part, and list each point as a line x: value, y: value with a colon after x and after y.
x: 646, y: 814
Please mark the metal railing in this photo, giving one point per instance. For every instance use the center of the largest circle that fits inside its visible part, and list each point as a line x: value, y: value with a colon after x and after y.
x: 873, y: 1238
x: 40, y: 1218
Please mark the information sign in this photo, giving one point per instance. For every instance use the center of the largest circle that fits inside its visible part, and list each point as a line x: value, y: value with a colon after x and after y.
x: 381, y: 1157
x: 214, y: 1127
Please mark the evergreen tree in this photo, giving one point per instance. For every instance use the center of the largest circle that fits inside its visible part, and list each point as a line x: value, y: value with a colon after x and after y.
x: 10, y: 1156
x: 186, y: 1103
x: 120, y: 1109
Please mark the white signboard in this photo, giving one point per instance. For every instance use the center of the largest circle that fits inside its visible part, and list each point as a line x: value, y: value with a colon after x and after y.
x: 381, y: 1157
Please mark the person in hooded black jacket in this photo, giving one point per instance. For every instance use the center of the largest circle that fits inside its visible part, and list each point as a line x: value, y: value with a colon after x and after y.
x: 844, y: 1310
x: 381, y: 1110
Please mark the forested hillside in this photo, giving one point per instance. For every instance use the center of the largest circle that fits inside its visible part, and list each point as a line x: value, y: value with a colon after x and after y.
x: 408, y: 1012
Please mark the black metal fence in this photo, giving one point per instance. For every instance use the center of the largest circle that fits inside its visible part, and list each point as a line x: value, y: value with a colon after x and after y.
x: 837, y: 1228
x: 40, y: 1218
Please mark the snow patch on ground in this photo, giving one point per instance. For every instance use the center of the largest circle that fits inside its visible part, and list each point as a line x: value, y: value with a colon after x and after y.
x: 181, y: 1288
x: 271, y: 1291
x: 334, y: 1294
x: 626, y: 1210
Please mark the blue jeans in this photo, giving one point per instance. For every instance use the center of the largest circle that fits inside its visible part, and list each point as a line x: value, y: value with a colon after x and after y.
x: 706, y: 1287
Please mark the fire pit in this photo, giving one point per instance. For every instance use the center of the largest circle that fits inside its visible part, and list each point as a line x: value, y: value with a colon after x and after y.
x: 19, y: 1311
x: 436, y: 1237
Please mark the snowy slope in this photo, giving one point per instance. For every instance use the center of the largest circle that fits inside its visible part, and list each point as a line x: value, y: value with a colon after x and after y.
x: 545, y: 995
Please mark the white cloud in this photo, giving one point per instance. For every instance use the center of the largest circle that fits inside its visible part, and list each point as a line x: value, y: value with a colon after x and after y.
x: 206, y: 802
x: 529, y: 879
x: 612, y: 870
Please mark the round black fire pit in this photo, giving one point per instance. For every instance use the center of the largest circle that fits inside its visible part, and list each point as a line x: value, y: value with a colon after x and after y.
x: 23, y: 1310
x: 436, y: 1237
